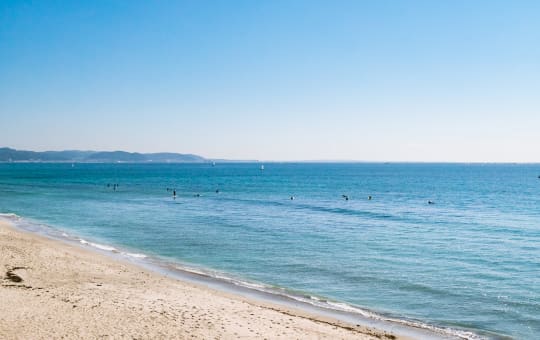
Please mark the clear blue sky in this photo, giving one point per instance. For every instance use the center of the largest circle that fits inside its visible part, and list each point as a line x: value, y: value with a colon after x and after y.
x: 274, y: 80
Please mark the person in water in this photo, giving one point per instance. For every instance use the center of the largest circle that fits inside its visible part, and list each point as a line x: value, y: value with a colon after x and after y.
x: 369, y: 197
x: 174, y: 194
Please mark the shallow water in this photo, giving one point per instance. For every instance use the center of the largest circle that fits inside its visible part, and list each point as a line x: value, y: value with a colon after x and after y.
x: 470, y: 261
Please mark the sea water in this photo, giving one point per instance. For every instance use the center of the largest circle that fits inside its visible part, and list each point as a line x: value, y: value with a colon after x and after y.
x: 468, y: 262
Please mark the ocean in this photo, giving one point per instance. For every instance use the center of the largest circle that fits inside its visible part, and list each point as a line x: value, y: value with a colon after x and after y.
x: 467, y: 264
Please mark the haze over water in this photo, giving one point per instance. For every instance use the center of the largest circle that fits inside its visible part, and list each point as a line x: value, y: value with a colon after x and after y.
x: 470, y: 261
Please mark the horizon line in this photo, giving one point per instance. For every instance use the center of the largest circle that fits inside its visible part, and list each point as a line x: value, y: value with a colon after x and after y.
x: 224, y: 160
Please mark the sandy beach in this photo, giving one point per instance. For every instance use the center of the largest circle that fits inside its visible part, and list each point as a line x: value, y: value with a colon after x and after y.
x: 52, y: 289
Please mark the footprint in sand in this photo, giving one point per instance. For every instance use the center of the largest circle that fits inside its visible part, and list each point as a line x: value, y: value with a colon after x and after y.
x: 11, y: 276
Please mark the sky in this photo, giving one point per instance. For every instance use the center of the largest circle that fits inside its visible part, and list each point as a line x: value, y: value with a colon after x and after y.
x: 435, y: 81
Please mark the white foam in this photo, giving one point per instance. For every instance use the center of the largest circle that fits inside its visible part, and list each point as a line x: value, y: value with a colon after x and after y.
x: 10, y: 216
x: 193, y: 271
x: 224, y: 277
x: 98, y: 246
x: 103, y: 247
x: 136, y: 255
x: 251, y: 285
x: 440, y: 330
x: 348, y: 308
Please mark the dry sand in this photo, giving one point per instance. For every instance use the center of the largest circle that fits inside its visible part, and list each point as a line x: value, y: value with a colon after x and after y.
x: 51, y: 289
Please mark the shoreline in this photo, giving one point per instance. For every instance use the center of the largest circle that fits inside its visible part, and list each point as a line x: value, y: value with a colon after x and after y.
x: 56, y: 290
x: 347, y: 324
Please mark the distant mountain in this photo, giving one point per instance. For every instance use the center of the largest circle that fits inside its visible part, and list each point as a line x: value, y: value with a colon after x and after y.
x: 12, y: 155
x: 116, y: 156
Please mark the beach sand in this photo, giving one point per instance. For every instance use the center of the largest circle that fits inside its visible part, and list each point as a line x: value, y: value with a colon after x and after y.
x: 52, y: 289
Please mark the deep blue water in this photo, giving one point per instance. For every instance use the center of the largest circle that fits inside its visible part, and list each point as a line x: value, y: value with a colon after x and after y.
x: 469, y: 261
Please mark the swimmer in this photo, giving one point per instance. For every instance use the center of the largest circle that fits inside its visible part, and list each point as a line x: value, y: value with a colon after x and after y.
x: 430, y: 202
x: 369, y: 197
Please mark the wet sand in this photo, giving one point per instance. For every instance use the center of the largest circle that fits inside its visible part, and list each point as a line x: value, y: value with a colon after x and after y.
x: 51, y: 289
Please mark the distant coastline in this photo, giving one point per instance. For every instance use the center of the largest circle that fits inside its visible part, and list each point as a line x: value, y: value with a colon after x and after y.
x: 10, y: 155
x: 71, y: 156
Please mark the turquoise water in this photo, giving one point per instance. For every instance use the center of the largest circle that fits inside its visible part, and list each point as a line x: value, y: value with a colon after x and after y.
x: 470, y: 261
